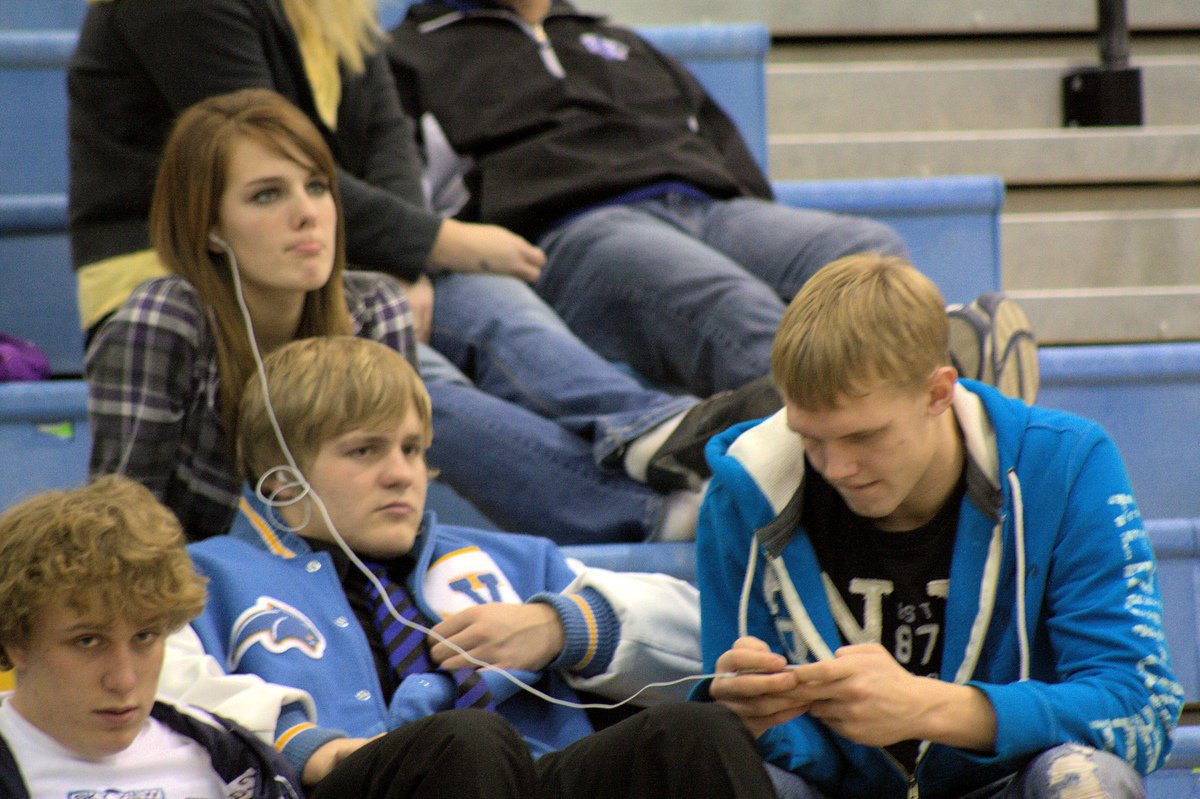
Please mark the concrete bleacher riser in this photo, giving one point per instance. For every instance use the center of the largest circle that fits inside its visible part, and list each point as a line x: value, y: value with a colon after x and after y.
x: 890, y: 17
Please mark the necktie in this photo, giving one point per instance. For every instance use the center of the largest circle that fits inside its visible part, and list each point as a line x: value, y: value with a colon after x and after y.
x: 406, y: 647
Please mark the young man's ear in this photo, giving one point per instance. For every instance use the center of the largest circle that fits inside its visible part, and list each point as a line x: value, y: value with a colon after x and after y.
x: 941, y: 389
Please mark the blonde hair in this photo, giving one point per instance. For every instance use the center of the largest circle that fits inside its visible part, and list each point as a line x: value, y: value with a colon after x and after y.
x: 322, y: 388
x: 110, y: 546
x: 351, y: 27
x: 187, y: 197
x: 862, y: 319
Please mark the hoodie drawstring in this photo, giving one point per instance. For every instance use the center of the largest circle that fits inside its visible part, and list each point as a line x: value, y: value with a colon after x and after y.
x: 1019, y: 542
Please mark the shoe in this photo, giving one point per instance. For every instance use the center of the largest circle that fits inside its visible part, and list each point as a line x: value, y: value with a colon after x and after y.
x: 679, y: 463
x: 991, y: 341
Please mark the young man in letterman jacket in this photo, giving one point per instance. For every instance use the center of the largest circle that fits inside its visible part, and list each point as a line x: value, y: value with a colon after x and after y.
x: 288, y: 605
x: 926, y: 588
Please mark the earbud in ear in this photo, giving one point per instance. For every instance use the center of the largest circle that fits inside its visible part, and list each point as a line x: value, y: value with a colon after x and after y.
x: 217, y: 240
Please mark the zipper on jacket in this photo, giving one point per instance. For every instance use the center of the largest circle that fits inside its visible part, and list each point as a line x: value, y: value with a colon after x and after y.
x: 913, y: 791
x: 546, y: 50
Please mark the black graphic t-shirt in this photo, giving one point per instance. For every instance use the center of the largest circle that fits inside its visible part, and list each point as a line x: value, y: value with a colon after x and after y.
x: 891, y: 586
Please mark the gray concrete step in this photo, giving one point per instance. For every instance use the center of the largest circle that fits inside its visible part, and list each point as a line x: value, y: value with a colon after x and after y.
x: 1101, y: 249
x: 892, y: 17
x: 1021, y: 156
x: 1102, y: 316
x: 957, y: 95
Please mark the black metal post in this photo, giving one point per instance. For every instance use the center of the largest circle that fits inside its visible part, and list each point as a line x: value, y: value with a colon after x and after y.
x: 1110, y: 94
x: 1114, y: 34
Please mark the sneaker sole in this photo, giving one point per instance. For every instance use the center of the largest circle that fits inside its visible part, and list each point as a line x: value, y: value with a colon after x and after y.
x: 1014, y: 356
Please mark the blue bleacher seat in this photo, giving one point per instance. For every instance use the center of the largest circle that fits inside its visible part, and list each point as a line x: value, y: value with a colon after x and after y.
x: 44, y: 438
x: 1148, y: 398
x: 37, y: 286
x: 41, y: 14
x: 33, y: 114
x: 951, y: 224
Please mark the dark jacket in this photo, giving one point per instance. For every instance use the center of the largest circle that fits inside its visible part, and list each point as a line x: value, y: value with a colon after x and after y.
x: 236, y: 755
x: 140, y: 63
x: 557, y: 123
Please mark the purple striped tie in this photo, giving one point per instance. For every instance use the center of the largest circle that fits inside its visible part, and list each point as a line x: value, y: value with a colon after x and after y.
x: 406, y: 648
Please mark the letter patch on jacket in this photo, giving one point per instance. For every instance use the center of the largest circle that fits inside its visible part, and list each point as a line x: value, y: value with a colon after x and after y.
x: 463, y: 578
x: 606, y: 48
x: 277, y: 627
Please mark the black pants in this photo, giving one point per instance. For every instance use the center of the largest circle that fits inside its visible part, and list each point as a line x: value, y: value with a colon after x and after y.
x: 685, y: 749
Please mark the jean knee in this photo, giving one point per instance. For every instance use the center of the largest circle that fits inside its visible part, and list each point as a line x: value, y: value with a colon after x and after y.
x: 1075, y: 771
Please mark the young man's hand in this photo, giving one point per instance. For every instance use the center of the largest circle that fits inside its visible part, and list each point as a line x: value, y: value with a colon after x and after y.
x: 865, y: 695
x: 763, y: 692
x: 327, y: 756
x: 511, y: 636
x: 469, y: 247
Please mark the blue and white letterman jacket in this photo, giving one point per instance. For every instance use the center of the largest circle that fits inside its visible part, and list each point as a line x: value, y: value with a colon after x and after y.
x: 1053, y: 611
x: 249, y: 768
x: 277, y: 609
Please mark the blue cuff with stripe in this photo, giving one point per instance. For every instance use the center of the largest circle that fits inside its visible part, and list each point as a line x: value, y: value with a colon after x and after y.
x: 591, y: 631
x: 298, y: 738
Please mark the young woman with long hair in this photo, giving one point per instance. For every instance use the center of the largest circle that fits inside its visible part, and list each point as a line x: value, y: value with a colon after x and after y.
x: 247, y: 203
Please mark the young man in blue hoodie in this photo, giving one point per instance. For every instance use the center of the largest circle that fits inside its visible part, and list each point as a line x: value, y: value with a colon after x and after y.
x: 925, y: 588
x: 399, y: 715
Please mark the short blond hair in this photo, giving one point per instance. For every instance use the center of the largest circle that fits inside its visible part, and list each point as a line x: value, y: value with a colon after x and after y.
x: 110, y: 546
x: 859, y: 321
x: 322, y: 388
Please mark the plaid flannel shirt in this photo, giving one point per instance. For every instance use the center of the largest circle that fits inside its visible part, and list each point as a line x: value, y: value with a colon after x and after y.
x: 152, y: 392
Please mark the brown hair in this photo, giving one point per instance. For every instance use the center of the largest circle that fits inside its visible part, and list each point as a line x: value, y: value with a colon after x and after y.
x: 322, y: 388
x: 858, y: 320
x: 187, y: 196
x: 110, y: 546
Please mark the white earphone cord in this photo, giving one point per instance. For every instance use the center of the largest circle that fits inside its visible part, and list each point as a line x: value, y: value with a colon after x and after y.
x: 307, y: 490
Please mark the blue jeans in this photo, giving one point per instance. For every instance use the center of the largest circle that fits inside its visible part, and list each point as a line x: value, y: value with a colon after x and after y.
x: 524, y: 414
x: 688, y: 291
x: 1063, y: 772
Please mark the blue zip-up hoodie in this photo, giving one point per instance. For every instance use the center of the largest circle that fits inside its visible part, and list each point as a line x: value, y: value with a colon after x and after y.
x: 1053, y: 612
x: 276, y: 608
